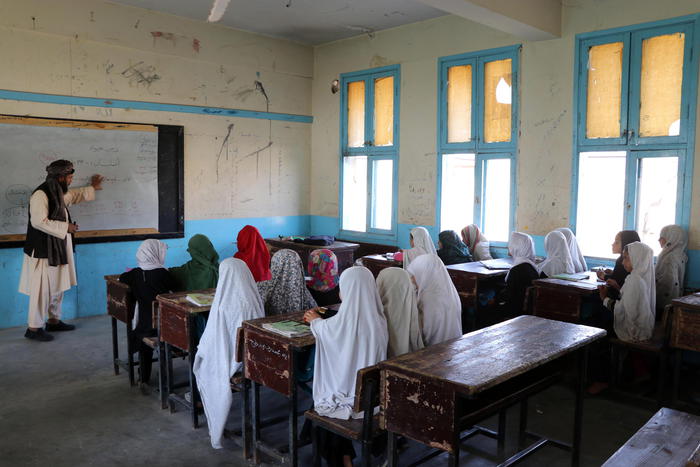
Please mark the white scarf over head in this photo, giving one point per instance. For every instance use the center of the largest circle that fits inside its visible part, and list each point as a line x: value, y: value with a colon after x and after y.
x: 521, y: 247
x: 151, y: 254
x: 236, y: 300
x: 422, y: 245
x: 635, y: 312
x: 670, y: 265
x: 477, y: 243
x: 355, y: 338
x: 438, y: 300
x: 558, y: 255
x: 400, y: 303
x: 576, y: 255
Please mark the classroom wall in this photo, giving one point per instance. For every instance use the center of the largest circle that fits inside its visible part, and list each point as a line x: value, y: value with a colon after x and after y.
x: 237, y: 170
x: 546, y: 88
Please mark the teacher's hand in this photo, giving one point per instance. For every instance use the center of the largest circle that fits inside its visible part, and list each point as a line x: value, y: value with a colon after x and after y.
x: 72, y: 227
x: 96, y: 181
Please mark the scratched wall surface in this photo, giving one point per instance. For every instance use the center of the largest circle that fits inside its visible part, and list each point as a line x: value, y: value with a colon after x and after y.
x: 545, y: 149
x: 234, y: 167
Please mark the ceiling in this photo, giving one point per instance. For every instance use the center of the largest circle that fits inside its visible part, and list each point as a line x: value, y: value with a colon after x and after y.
x: 310, y: 22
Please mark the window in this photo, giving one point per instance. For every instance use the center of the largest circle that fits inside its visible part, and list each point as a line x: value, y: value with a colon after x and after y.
x: 477, y: 141
x: 369, y: 149
x: 635, y: 108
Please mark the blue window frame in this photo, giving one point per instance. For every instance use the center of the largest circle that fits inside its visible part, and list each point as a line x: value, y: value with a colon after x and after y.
x: 640, y: 166
x: 478, y: 140
x: 369, y: 148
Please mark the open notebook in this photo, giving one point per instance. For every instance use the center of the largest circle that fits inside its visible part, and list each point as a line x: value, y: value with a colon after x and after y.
x: 497, y: 264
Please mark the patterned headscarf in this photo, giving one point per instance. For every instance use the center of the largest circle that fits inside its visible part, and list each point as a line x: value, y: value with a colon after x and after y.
x: 323, y: 269
x: 252, y: 250
x: 286, y: 292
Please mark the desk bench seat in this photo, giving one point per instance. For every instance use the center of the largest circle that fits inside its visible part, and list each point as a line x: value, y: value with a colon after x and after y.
x: 351, y: 429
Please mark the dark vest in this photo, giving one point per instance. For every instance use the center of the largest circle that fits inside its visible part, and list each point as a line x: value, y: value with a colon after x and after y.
x: 37, y: 243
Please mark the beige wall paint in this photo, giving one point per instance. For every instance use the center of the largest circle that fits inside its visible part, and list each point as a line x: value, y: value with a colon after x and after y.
x: 546, y: 87
x: 97, y: 49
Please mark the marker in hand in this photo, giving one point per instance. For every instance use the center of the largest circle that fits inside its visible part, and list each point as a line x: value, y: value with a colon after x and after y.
x: 73, y: 227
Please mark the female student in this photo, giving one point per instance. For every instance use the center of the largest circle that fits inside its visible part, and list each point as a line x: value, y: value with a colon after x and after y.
x: 615, y: 278
x: 355, y: 338
x: 670, y: 265
x: 202, y: 271
x: 451, y: 248
x: 236, y: 300
x: 476, y: 242
x: 576, y: 255
x: 400, y: 305
x: 558, y: 256
x: 253, y: 250
x: 323, y: 270
x: 438, y: 300
x: 147, y: 280
x: 421, y: 244
x: 286, y: 292
x: 521, y: 248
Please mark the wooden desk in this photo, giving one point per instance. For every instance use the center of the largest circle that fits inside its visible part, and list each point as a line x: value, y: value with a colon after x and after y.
x: 120, y: 307
x: 433, y: 394
x: 344, y: 251
x: 176, y: 328
x: 466, y: 278
x: 685, y: 333
x: 561, y: 300
x: 668, y: 438
x: 377, y: 263
x: 270, y: 360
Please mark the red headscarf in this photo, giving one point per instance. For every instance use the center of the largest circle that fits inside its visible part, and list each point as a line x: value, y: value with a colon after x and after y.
x: 253, y: 250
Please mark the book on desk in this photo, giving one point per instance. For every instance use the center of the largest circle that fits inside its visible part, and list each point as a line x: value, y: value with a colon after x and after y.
x: 571, y: 277
x: 497, y: 264
x: 288, y: 328
x: 200, y: 299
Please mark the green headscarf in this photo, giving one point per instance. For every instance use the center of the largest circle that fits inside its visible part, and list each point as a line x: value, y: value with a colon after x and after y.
x: 202, y: 271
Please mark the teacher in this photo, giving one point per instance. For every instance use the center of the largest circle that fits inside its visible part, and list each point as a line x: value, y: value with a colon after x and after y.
x: 48, y: 268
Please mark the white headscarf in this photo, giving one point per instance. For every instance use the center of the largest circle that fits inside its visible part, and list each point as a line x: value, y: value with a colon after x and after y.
x: 576, y: 255
x: 521, y: 247
x: 438, y: 300
x: 558, y: 255
x: 477, y: 243
x: 400, y: 303
x: 151, y: 254
x: 634, y: 312
x: 422, y: 245
x: 236, y: 300
x: 670, y: 265
x: 355, y: 338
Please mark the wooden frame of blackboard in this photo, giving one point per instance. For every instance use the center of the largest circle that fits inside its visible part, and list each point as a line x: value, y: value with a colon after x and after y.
x: 171, y: 186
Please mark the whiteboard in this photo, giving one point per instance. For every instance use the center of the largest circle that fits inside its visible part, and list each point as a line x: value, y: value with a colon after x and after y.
x: 126, y: 155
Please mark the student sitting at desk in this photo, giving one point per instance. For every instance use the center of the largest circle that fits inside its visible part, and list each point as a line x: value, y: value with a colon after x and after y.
x: 670, y: 265
x: 286, y: 292
x: 476, y: 242
x: 355, y: 338
x: 576, y: 255
x: 522, y: 248
x: 421, y: 244
x: 438, y: 300
x: 200, y: 272
x: 400, y: 304
x: 615, y: 278
x: 451, y: 249
x: 323, y: 270
x: 558, y: 256
x: 146, y: 281
x: 253, y: 250
x: 236, y: 300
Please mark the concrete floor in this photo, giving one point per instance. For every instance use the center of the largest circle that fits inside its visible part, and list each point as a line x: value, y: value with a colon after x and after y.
x: 63, y: 406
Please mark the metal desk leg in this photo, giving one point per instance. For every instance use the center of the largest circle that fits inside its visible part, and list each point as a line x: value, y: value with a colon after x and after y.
x: 315, y: 456
x: 582, y: 357
x: 130, y: 351
x: 245, y: 418
x: 392, y: 451
x: 168, y: 377
x: 194, y: 391
x: 163, y: 385
x: 522, y: 427
x: 115, y: 346
x: 677, y: 357
x: 256, y: 422
x: 501, y: 439
x: 293, y: 417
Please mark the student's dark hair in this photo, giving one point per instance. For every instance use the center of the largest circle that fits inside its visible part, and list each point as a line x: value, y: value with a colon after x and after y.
x: 628, y: 236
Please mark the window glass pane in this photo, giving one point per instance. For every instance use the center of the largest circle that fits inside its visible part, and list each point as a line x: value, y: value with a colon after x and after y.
x: 355, y: 193
x: 457, y: 195
x: 604, y: 90
x: 459, y: 104
x: 382, y: 193
x: 384, y: 111
x: 662, y: 77
x: 356, y: 114
x: 656, y: 202
x: 496, y: 221
x: 601, y: 197
x: 498, y: 95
